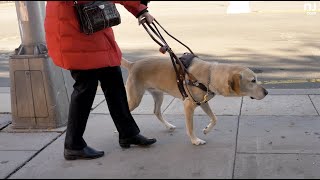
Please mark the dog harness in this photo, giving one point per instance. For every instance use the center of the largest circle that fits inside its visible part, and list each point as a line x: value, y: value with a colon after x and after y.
x: 186, y: 60
x: 180, y: 64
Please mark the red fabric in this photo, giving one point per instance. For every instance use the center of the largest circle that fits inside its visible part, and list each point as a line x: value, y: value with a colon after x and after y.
x: 71, y: 49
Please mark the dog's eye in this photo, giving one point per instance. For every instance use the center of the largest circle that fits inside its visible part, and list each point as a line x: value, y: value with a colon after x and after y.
x: 254, y: 81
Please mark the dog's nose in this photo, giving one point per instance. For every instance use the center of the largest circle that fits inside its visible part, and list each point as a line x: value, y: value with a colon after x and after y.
x: 265, y: 92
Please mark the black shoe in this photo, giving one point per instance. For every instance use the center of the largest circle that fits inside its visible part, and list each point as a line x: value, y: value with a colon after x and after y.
x: 85, y: 153
x: 136, y: 140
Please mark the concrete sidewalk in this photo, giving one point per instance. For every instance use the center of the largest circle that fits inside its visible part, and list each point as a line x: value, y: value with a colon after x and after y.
x: 277, y: 137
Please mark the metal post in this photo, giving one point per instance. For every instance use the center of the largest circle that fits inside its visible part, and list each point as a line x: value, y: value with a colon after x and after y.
x: 31, y: 17
x: 40, y: 91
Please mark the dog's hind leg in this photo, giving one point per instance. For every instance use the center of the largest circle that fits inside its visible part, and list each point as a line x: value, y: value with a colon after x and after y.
x: 206, y: 108
x: 134, y: 95
x: 158, y: 99
x: 189, y: 108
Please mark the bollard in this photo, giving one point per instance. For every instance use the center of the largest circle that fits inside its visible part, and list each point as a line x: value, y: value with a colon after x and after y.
x: 40, y: 91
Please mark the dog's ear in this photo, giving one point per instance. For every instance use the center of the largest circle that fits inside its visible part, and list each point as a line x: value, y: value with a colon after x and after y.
x: 234, y: 83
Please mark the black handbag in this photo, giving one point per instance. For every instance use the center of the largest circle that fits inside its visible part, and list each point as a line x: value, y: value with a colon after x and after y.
x: 97, y: 15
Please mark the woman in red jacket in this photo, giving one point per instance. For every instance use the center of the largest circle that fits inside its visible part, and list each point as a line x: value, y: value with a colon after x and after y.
x: 91, y: 58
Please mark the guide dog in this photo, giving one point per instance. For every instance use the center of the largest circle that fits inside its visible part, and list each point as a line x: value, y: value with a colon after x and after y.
x: 157, y: 75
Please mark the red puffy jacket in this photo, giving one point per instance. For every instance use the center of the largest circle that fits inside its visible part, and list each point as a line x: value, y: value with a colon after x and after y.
x: 71, y: 49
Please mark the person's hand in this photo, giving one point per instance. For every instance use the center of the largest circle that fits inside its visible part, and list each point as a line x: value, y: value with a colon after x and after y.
x: 145, y: 17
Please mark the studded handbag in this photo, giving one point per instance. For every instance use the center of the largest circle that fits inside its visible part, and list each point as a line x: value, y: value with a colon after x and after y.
x: 97, y: 15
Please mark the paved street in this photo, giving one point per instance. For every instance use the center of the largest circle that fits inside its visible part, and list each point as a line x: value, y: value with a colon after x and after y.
x: 276, y: 137
x: 278, y: 40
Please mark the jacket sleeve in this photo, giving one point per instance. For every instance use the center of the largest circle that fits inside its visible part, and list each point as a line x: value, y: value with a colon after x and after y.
x: 136, y: 8
x: 144, y: 2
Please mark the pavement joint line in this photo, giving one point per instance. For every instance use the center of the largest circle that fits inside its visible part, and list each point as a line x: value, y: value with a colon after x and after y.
x: 21, y: 131
x: 302, y: 153
x: 98, y: 105
x: 236, y: 145
x: 168, y: 105
x: 28, y: 160
x: 302, y: 115
x: 314, y: 105
x: 298, y: 94
x: 99, y: 113
x: 227, y: 115
x: 5, y: 126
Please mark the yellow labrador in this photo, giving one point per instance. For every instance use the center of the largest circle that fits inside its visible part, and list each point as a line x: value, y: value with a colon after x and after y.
x: 157, y: 75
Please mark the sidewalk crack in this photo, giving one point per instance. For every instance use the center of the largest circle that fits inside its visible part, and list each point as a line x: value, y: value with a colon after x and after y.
x: 236, y: 146
x: 314, y: 105
x: 33, y: 156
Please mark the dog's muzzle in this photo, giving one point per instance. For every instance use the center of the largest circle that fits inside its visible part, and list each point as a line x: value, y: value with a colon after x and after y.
x: 265, y: 92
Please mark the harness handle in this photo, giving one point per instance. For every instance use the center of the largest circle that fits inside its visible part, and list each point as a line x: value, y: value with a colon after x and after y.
x: 174, y: 37
x: 155, y: 30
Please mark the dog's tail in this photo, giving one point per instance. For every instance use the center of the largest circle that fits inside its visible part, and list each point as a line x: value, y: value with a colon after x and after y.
x: 126, y: 63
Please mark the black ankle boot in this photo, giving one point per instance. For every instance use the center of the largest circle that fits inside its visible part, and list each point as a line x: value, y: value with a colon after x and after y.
x: 136, y: 140
x: 85, y: 153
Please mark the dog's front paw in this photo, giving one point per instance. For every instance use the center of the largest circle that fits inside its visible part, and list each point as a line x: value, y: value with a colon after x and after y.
x: 207, y: 129
x: 171, y: 127
x: 198, y: 142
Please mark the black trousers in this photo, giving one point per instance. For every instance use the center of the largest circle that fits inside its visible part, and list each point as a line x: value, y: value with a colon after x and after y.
x: 84, y: 91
